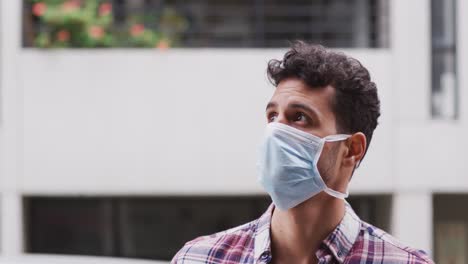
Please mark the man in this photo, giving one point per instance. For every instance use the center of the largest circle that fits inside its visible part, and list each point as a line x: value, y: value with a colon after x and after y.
x: 320, y: 123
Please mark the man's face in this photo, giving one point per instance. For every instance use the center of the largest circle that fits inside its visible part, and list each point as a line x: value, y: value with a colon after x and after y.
x: 297, y: 105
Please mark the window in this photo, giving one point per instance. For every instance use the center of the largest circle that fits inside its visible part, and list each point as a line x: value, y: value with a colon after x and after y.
x: 235, y: 23
x: 141, y: 227
x: 450, y: 228
x: 149, y: 227
x: 65, y: 226
x: 444, y: 102
x: 374, y: 209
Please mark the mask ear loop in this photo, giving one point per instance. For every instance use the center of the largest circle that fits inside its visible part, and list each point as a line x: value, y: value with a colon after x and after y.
x: 331, y: 192
x: 336, y: 194
x: 337, y: 137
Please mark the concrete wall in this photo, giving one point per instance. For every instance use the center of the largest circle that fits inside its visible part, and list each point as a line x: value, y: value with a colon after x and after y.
x: 175, y: 122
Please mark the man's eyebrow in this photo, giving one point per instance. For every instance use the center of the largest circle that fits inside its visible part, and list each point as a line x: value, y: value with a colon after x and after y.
x: 271, y: 105
x: 305, y: 108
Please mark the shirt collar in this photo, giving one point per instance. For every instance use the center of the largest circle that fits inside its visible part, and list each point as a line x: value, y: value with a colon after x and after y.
x: 339, y: 242
x: 342, y: 239
x: 262, y: 240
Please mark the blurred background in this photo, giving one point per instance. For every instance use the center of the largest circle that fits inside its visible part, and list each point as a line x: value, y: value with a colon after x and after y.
x: 128, y: 127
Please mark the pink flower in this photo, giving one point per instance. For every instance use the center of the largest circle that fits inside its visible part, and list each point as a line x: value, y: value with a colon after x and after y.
x: 137, y: 30
x: 63, y: 35
x: 105, y: 9
x: 39, y: 9
x: 71, y: 5
x: 96, y: 32
x: 162, y: 44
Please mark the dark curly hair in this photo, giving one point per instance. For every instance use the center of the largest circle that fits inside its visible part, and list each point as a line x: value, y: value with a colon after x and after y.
x: 356, y: 104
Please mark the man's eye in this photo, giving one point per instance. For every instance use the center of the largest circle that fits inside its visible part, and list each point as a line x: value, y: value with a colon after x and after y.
x: 300, y: 117
x: 271, y: 117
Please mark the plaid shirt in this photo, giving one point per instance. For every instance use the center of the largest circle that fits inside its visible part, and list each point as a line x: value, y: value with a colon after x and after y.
x: 353, y: 241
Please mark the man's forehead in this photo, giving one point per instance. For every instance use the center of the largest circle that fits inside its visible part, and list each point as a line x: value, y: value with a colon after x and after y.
x: 292, y: 84
x: 296, y: 90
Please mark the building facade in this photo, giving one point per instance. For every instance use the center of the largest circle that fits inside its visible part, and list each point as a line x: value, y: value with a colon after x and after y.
x: 169, y: 137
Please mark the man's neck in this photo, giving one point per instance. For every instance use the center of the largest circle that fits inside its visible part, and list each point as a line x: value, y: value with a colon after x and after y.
x: 297, y: 233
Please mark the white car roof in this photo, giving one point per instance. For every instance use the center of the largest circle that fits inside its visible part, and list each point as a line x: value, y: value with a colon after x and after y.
x: 72, y: 259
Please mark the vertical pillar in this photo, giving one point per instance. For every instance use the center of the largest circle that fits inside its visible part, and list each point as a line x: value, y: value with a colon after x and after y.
x: 412, y: 219
x: 11, y: 242
x: 361, y: 24
x: 410, y: 46
x: 462, y: 59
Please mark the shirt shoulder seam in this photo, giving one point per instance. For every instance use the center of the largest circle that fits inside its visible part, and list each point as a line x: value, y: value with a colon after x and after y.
x: 415, y: 254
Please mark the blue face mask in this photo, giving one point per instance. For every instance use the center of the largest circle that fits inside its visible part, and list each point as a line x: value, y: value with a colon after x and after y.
x: 287, y: 167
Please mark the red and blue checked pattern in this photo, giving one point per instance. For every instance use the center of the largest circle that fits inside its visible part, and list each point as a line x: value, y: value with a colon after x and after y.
x: 353, y: 241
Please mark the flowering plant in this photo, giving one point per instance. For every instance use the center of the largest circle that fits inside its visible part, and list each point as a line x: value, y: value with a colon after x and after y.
x: 90, y: 23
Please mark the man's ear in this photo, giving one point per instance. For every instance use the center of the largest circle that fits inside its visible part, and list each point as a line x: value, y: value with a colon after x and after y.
x: 356, y: 145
